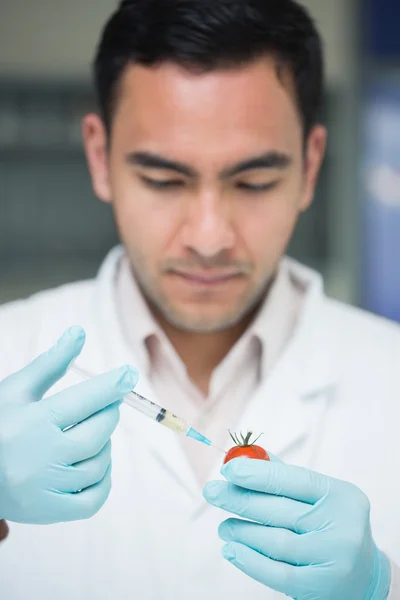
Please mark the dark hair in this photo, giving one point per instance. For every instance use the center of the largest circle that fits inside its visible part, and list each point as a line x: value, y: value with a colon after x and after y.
x: 209, y: 34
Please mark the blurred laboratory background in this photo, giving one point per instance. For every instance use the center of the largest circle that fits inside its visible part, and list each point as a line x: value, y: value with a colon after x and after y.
x: 52, y: 228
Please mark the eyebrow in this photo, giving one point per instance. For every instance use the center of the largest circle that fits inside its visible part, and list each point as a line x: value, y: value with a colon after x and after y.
x: 268, y: 160
x: 155, y: 161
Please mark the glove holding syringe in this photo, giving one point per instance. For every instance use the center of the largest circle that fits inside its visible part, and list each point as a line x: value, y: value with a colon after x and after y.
x: 154, y: 411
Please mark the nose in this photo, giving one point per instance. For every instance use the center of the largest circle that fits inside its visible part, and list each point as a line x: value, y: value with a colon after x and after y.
x: 207, y: 230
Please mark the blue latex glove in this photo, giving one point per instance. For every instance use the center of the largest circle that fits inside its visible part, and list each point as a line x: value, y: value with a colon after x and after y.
x: 49, y: 475
x: 306, y: 535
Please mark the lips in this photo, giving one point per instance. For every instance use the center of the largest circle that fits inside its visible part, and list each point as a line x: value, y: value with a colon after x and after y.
x: 208, y: 278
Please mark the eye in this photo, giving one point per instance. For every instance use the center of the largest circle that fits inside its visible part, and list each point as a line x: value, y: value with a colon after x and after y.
x: 257, y: 187
x: 162, y: 184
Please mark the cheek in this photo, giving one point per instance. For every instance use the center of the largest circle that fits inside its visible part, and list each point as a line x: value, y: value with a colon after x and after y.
x: 266, y: 225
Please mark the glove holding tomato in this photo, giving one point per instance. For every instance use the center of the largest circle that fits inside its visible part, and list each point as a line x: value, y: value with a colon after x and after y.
x: 300, y: 533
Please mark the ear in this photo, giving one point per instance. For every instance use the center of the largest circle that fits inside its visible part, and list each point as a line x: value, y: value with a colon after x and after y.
x: 95, y: 143
x: 314, y: 156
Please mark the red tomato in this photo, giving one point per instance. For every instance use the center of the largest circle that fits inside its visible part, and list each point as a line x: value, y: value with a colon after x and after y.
x: 244, y: 448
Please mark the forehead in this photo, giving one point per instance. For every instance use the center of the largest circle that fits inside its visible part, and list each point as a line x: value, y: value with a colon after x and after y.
x: 167, y: 107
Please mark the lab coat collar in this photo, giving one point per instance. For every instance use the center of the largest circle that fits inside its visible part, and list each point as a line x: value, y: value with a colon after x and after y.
x: 136, y: 321
x: 288, y: 405
x: 274, y: 322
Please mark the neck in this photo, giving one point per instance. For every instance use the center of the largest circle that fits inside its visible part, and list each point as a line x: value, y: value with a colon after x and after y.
x: 201, y: 353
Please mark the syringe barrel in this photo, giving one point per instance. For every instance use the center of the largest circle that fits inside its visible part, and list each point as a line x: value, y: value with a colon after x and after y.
x: 143, y: 405
x: 168, y: 419
x: 146, y: 407
x: 157, y: 413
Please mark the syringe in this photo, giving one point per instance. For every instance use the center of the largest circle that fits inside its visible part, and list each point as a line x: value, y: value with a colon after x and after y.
x: 153, y: 411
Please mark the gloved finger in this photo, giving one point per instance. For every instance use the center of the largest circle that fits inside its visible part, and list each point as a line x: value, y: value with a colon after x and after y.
x: 86, y: 473
x: 277, y: 478
x: 76, y: 506
x: 274, y: 511
x: 273, y: 542
x: 87, y: 439
x: 88, y: 502
x: 83, y: 400
x: 33, y: 381
x: 276, y: 575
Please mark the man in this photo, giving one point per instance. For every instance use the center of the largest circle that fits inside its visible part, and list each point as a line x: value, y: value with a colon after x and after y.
x: 208, y: 147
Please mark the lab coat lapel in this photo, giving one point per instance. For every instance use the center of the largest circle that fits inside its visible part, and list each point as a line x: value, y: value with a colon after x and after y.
x: 290, y: 406
x: 285, y: 411
x: 107, y: 348
x: 291, y: 403
x: 161, y: 443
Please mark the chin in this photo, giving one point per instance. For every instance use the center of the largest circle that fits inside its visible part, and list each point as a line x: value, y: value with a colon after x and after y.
x: 196, y: 322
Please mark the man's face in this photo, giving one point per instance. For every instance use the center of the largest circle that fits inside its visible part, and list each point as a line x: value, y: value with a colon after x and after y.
x: 207, y: 177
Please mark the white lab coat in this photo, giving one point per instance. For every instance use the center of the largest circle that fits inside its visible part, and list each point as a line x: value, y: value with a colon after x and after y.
x: 332, y: 403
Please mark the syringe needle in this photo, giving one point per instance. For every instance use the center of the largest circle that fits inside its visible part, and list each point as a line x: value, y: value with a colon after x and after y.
x: 217, y: 448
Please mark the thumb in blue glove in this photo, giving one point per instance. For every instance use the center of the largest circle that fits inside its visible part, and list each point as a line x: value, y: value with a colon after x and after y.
x: 55, y: 453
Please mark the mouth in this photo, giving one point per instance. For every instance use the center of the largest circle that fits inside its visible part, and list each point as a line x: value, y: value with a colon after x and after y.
x: 208, y: 278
